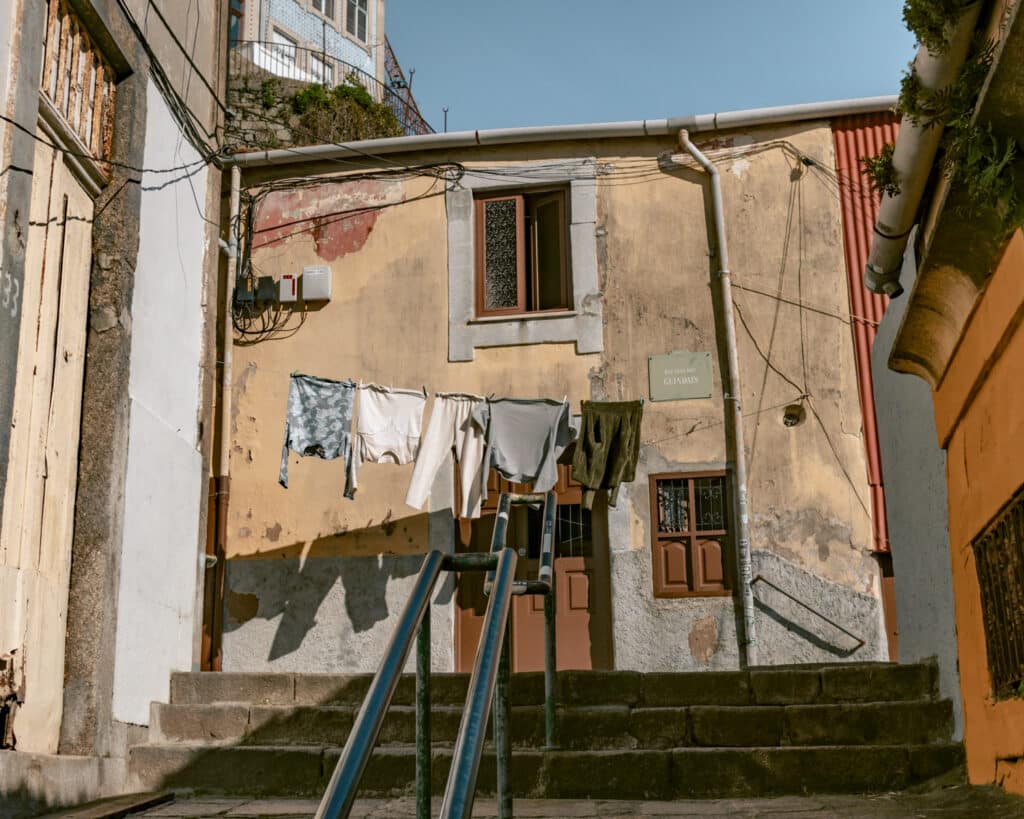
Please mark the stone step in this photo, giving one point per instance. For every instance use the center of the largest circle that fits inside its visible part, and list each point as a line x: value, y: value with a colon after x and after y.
x: 850, y: 682
x: 579, y: 727
x: 620, y: 774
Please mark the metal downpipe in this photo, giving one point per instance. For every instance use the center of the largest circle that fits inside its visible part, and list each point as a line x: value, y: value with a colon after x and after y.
x: 732, y: 397
x: 912, y: 160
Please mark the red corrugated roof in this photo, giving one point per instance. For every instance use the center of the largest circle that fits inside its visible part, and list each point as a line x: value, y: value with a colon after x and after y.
x: 856, y: 137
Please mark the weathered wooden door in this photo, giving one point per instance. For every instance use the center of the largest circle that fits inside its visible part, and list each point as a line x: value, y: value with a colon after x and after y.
x: 582, y: 621
x: 35, y: 542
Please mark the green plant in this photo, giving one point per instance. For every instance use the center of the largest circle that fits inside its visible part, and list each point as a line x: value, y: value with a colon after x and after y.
x: 930, y: 21
x: 925, y: 107
x: 982, y: 162
x: 345, y: 112
x: 270, y: 92
x: 880, y: 172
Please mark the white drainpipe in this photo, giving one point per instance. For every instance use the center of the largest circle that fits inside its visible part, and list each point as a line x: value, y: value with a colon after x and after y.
x: 912, y: 160
x: 733, y: 397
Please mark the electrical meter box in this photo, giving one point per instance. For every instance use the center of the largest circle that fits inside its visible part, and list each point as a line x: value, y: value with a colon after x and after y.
x: 287, y: 288
x: 316, y: 283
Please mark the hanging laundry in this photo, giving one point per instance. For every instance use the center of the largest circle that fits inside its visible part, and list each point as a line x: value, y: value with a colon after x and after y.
x: 525, y: 438
x: 451, y: 426
x: 319, y: 422
x: 387, y: 426
x: 607, y: 448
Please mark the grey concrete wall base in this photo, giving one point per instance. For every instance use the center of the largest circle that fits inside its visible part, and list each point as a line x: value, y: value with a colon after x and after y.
x: 788, y: 632
x: 325, y: 614
x: 915, y: 492
x: 691, y: 634
x: 31, y: 784
x: 584, y: 325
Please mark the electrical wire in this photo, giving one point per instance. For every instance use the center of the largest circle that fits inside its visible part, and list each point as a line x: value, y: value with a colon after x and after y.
x: 111, y: 162
x: 189, y: 57
x: 188, y: 121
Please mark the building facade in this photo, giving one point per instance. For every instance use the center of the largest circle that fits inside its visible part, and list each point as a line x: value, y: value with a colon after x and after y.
x: 950, y: 399
x: 314, y: 581
x: 110, y: 203
x: 312, y: 40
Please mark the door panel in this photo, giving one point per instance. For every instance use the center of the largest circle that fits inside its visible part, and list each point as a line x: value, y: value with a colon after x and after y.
x: 42, y: 476
x: 580, y: 638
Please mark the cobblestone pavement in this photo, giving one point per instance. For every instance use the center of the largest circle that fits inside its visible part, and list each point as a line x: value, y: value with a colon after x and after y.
x: 959, y: 801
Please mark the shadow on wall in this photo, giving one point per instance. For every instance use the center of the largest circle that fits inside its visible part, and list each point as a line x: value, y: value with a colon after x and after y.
x: 293, y: 583
x: 806, y: 619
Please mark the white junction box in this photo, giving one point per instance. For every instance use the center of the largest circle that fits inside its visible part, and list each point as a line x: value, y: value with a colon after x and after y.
x: 316, y: 283
x: 287, y: 288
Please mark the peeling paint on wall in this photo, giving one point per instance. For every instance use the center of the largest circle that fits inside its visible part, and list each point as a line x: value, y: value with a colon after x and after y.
x: 339, y: 217
x: 703, y: 639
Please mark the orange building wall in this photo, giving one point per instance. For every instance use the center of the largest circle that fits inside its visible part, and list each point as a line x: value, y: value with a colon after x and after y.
x: 979, y: 410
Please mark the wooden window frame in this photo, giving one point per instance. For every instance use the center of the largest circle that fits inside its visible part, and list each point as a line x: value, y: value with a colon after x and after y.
x: 690, y: 537
x: 525, y: 244
x: 77, y: 81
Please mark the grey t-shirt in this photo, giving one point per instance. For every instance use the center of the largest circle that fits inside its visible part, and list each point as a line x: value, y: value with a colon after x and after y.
x: 524, y: 437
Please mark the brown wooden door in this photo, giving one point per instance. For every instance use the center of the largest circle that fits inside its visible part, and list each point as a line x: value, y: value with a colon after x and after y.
x: 582, y: 621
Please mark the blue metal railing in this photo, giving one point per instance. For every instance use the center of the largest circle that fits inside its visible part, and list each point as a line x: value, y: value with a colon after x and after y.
x: 488, y: 683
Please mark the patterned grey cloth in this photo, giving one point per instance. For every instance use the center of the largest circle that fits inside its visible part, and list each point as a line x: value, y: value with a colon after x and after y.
x: 319, y: 423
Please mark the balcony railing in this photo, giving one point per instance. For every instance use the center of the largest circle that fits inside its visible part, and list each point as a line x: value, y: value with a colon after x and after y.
x: 254, y: 59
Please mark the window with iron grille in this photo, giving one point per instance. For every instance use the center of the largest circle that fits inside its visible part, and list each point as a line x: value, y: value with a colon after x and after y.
x: 78, y: 80
x: 522, y: 253
x: 690, y: 534
x: 355, y: 19
x: 999, y: 561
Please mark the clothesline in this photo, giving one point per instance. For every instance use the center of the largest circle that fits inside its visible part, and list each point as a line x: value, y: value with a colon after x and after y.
x: 522, y: 439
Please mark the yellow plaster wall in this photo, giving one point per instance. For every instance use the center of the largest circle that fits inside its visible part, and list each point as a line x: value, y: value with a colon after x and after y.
x: 985, y: 430
x: 388, y: 317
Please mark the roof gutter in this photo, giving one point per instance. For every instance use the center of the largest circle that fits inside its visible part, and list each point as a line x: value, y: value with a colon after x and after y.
x: 371, y: 148
x: 912, y: 160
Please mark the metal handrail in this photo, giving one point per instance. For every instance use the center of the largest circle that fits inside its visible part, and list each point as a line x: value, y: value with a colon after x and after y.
x: 762, y: 579
x: 542, y: 585
x: 461, y: 788
x: 341, y: 790
x: 489, y: 680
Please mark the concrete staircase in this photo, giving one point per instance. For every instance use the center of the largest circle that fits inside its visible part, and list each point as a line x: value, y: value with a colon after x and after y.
x: 622, y: 735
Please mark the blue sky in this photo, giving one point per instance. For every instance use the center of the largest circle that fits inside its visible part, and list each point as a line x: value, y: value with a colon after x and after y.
x: 496, y: 63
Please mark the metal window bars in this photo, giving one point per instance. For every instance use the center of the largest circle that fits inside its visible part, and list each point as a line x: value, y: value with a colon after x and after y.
x: 489, y: 680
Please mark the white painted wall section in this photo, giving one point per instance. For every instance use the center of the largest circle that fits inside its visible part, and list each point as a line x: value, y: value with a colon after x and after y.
x: 160, y: 554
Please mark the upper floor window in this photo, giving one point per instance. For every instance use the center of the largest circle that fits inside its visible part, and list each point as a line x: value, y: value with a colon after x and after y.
x: 283, y: 46
x: 355, y: 19
x: 522, y: 253
x: 78, y: 80
x: 324, y: 7
x: 689, y: 534
x: 236, y: 13
x: 322, y: 71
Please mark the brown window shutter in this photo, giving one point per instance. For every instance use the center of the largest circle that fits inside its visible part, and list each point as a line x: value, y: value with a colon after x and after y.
x: 711, y: 563
x: 671, y: 568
